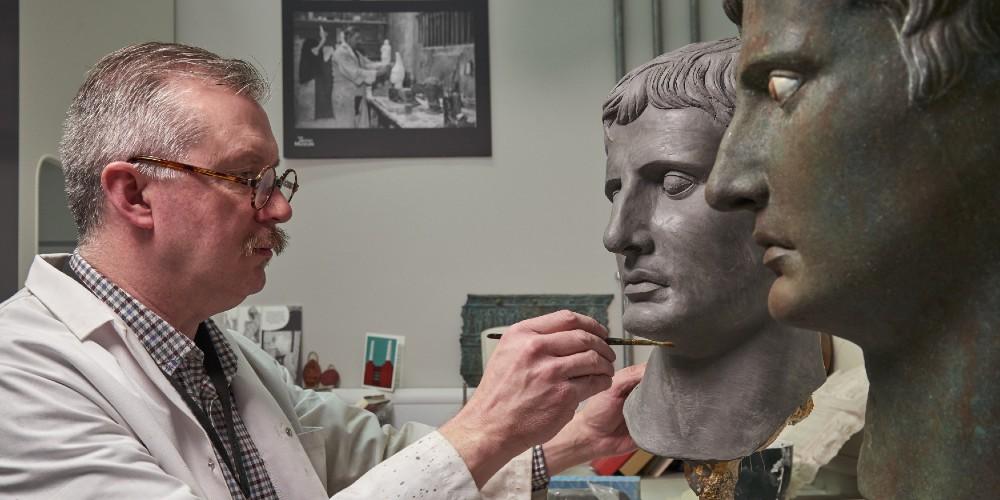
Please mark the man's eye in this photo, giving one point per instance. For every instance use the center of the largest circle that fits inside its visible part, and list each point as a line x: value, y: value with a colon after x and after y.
x: 677, y: 185
x: 782, y: 85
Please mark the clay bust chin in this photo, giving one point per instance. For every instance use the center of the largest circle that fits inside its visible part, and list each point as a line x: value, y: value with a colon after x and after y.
x: 693, y: 275
x: 865, y: 145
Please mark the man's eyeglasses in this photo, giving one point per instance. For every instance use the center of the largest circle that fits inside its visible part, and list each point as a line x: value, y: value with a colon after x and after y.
x: 263, y: 185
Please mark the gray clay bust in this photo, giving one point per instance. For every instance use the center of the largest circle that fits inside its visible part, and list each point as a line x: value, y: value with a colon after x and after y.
x: 692, y: 275
x: 865, y: 143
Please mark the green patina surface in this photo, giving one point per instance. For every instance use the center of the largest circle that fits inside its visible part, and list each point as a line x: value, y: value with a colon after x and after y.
x: 487, y: 311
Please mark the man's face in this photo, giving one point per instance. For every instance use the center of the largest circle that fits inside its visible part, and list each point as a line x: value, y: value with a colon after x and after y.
x: 202, y: 223
x: 855, y: 191
x: 353, y: 38
x: 691, y: 274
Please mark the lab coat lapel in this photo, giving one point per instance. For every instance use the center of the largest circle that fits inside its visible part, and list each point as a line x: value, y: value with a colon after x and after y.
x: 291, y: 471
x: 129, y: 379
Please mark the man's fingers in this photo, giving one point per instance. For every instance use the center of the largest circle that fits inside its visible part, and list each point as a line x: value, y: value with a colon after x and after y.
x: 563, y: 320
x: 626, y: 379
x: 589, y: 385
x: 582, y: 364
x: 572, y: 342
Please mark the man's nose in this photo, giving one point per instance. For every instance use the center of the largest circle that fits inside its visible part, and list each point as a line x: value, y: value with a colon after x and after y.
x: 277, y: 209
x: 737, y: 181
x: 627, y: 232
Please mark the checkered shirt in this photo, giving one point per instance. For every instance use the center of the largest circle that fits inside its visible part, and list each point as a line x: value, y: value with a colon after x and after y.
x: 539, y: 471
x: 180, y: 359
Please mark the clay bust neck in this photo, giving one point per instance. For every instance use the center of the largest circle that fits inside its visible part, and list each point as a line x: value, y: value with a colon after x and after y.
x: 724, y: 408
x: 936, y: 401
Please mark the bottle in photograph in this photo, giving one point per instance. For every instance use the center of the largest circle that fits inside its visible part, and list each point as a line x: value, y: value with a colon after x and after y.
x: 386, y: 52
x: 398, y: 72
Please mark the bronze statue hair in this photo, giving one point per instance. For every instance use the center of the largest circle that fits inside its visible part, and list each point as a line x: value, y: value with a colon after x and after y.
x: 939, y: 39
x: 699, y: 75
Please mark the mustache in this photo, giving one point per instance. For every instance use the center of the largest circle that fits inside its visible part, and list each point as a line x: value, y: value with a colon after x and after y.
x: 276, y: 239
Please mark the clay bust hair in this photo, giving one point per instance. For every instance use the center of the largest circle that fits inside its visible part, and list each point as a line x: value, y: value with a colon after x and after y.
x: 699, y: 76
x: 940, y: 39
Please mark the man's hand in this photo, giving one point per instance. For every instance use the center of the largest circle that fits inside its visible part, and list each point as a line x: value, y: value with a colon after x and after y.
x: 537, y: 376
x: 598, y: 430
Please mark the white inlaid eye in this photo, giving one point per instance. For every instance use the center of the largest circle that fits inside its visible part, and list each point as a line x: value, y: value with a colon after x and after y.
x: 782, y: 85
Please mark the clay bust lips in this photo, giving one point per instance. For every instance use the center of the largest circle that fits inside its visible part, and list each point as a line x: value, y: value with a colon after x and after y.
x: 641, y: 285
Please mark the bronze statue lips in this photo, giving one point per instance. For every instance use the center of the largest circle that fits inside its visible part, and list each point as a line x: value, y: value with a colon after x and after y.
x: 775, y: 250
x: 641, y: 286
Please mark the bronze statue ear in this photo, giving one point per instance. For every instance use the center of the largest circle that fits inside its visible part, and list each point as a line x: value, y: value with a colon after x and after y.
x: 826, y: 344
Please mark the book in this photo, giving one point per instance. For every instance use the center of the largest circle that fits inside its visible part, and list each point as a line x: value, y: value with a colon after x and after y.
x: 622, y: 487
x: 606, y: 466
x: 635, y: 463
x: 656, y: 467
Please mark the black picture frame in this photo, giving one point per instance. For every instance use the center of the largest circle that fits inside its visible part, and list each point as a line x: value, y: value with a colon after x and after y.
x: 447, y: 24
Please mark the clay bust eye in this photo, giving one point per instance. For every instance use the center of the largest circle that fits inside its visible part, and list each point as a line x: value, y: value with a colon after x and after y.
x: 782, y: 85
x: 677, y: 185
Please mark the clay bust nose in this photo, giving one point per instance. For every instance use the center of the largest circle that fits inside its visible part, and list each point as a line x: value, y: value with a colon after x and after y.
x: 627, y: 230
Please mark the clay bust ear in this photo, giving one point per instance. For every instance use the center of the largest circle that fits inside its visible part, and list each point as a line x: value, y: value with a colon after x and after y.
x: 123, y: 187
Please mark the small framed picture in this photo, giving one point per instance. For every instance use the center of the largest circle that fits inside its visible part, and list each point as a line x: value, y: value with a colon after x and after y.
x: 382, y: 360
x: 276, y: 329
x: 400, y: 78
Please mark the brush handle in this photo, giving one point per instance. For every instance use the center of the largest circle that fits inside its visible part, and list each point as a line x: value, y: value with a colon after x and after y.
x: 610, y: 341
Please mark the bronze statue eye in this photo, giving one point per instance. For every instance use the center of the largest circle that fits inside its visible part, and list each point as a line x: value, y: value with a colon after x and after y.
x: 677, y: 185
x: 782, y: 85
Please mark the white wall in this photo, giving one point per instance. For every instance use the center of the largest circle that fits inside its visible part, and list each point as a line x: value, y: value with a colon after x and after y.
x: 59, y: 41
x: 675, y: 26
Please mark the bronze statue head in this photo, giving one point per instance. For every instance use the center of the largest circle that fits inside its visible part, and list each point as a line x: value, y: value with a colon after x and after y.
x: 859, y: 141
x: 865, y: 143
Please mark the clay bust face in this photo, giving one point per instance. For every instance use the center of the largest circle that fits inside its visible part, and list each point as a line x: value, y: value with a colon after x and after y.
x: 691, y: 274
x: 861, y: 197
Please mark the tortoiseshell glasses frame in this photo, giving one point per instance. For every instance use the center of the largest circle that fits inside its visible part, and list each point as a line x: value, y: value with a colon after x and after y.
x: 262, y: 186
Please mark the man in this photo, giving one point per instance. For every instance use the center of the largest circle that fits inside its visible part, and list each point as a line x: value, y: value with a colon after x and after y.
x: 315, y: 65
x: 691, y: 274
x: 116, y: 384
x: 353, y: 73
x: 865, y: 143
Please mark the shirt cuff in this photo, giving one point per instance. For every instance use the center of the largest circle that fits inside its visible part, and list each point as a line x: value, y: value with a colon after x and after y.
x: 539, y: 470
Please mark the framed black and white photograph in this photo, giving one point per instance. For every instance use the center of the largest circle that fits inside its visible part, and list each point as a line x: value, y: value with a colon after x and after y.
x: 275, y: 328
x: 386, y: 78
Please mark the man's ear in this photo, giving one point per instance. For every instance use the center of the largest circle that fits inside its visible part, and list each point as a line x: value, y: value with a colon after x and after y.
x: 124, y: 188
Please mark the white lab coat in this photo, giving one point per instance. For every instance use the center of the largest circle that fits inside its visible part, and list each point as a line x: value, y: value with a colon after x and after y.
x: 86, y: 413
x: 352, y: 74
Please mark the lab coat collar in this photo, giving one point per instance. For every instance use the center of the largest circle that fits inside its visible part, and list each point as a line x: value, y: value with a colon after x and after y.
x: 74, y: 305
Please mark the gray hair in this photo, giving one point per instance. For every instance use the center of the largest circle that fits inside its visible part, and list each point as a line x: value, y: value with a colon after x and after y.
x: 699, y: 76
x: 132, y: 104
x: 939, y: 39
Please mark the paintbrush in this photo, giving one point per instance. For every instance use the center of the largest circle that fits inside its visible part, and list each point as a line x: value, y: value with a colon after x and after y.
x: 611, y: 341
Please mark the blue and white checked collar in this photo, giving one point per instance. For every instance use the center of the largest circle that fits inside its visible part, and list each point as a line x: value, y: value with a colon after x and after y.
x: 169, y: 348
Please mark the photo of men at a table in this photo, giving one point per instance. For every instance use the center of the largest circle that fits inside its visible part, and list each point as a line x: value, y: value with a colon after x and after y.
x: 384, y: 70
